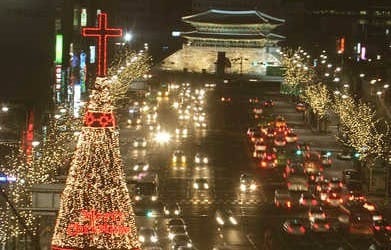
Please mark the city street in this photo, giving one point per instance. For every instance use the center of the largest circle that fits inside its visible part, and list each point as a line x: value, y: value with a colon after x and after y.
x: 226, y: 145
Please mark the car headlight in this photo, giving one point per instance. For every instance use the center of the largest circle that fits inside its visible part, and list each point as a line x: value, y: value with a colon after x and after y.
x: 135, y: 144
x: 205, y: 160
x: 174, y: 158
x: 137, y: 198
x: 176, y: 212
x: 184, y: 132
x: 141, y: 238
x: 145, y: 168
x: 144, y: 144
x: 177, y: 131
x: 253, y: 187
x: 189, y: 244
x: 219, y: 220
x: 206, y: 186
x: 183, y: 158
x: 167, y: 212
x: 233, y: 220
x: 153, y: 239
x: 154, y: 198
x: 135, y: 168
x: 197, y: 160
x: 242, y: 187
x: 171, y: 236
x: 195, y: 185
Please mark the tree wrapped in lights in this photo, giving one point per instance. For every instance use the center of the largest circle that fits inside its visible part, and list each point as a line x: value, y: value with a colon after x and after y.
x: 96, y: 209
x: 360, y: 127
x: 127, y: 67
x: 18, y: 223
x: 318, y: 98
x: 297, y: 72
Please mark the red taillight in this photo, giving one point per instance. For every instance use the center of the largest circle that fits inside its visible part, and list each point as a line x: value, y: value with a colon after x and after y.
x: 288, y: 204
x: 388, y: 228
x: 302, y: 229
x: 289, y: 184
x: 290, y: 229
x: 327, y: 226
x: 314, y: 202
x: 341, y: 200
x: 312, y: 177
x: 269, y: 157
x: 377, y: 228
x: 316, y: 226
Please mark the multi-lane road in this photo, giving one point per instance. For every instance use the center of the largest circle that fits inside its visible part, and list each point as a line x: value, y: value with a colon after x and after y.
x: 225, y: 143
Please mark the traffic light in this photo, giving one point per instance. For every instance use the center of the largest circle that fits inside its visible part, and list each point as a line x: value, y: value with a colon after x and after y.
x: 299, y: 152
x: 356, y: 155
x: 149, y: 214
x: 328, y: 153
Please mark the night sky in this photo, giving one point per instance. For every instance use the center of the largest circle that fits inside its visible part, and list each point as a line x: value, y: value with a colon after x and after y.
x: 25, y: 49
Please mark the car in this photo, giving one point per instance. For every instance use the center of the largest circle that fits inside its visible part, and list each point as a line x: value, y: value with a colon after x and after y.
x: 381, y: 225
x: 300, y: 107
x: 178, y: 156
x: 291, y: 137
x: 201, y: 159
x: 181, y: 240
x: 280, y: 122
x: 226, y: 218
x: 268, y: 103
x: 147, y: 235
x: 355, y: 196
x: 253, y: 100
x: 172, y: 209
x: 225, y: 99
x: 175, y: 222
x: 140, y: 142
x: 361, y: 225
x: 335, y: 182
x: 260, y: 146
x: 282, y: 198
x: 141, y: 166
x: 258, y: 154
x: 256, y: 136
x: 201, y: 184
x: 247, y: 183
x: 316, y: 212
x: 349, y: 175
x: 326, y: 158
x: 294, y: 227
x: 308, y: 199
x: 270, y: 133
x: 280, y: 141
x: 334, y: 199
x: 176, y: 230
x: 320, y: 225
x: 312, y: 162
x: 268, y: 160
x: 315, y: 178
x: 250, y: 131
x: 181, y: 131
x: 345, y: 155
x: 257, y: 110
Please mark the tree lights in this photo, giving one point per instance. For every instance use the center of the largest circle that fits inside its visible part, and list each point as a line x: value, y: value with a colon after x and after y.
x: 96, y: 209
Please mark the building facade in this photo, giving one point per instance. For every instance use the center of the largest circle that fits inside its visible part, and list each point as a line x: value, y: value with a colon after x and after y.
x: 231, y: 42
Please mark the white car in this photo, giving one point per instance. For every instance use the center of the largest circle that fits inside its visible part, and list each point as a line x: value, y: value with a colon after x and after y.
x: 176, y: 230
x: 140, y: 143
x: 226, y: 218
x: 141, y: 166
x: 247, y: 183
x: 172, y: 209
x: 201, y: 184
x: 182, y: 240
x: 260, y: 146
x: 201, y: 159
x: 147, y: 235
x: 178, y: 156
x: 316, y: 212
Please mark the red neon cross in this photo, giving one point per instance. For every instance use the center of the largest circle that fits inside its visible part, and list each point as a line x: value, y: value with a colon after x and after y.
x: 102, y: 33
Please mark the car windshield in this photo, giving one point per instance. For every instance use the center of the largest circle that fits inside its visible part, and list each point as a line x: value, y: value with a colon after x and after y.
x: 145, y: 188
x: 176, y: 222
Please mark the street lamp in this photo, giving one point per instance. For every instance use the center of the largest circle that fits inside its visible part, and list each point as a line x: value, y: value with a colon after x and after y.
x: 4, y: 109
x: 128, y: 37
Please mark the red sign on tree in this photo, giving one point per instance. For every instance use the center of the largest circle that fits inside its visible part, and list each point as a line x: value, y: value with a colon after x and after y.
x: 102, y: 32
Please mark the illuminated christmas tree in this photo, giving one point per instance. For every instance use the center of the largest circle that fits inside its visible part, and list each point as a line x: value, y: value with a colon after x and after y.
x: 96, y: 209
